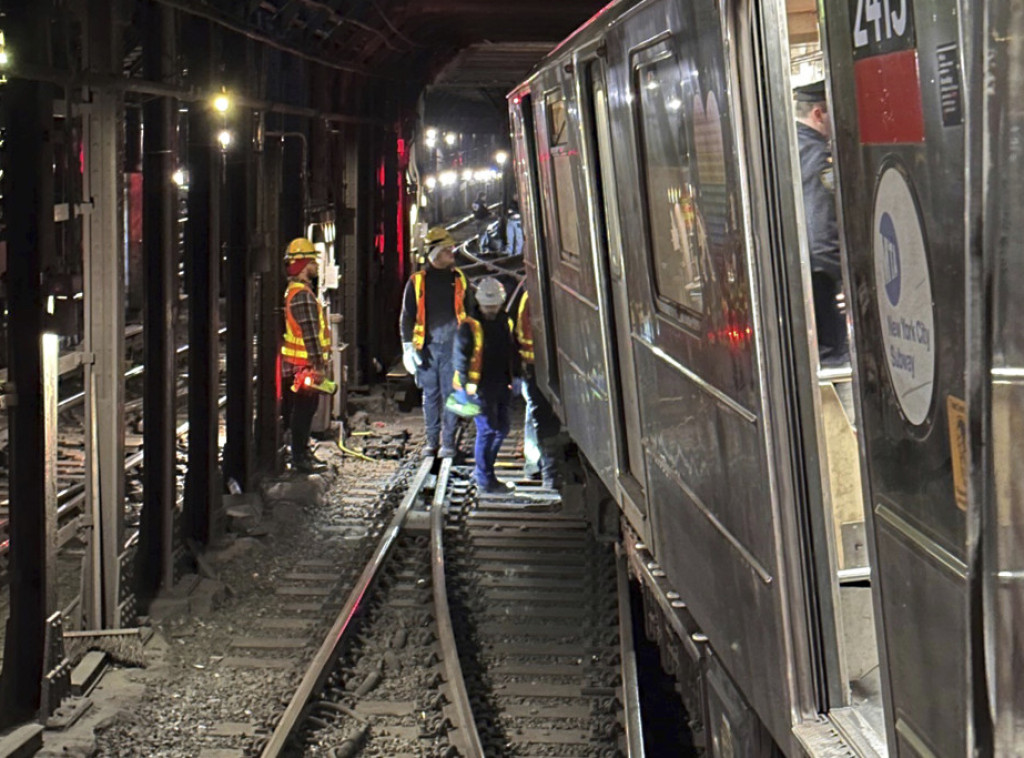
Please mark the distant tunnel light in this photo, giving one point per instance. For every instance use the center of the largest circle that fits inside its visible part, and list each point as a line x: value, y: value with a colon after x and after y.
x: 431, y: 182
x: 178, y: 177
x: 467, y: 175
x: 225, y: 138
x: 431, y: 133
x: 500, y: 157
x: 450, y: 138
x: 448, y: 178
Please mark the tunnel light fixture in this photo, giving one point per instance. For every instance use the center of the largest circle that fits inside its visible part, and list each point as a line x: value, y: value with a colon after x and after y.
x: 225, y: 138
x: 179, y: 178
x: 448, y: 178
x: 467, y: 175
x: 450, y: 138
x: 431, y: 182
x: 222, y: 101
x: 501, y: 157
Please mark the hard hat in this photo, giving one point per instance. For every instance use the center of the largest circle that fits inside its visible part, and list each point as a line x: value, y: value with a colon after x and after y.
x: 300, y: 247
x: 490, y: 292
x: 437, y: 239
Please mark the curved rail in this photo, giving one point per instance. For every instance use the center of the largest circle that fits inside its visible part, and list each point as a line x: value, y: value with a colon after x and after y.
x: 627, y: 655
x: 466, y: 735
x: 332, y: 646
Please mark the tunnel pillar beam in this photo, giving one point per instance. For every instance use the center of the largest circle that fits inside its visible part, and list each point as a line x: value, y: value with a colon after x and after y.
x: 160, y: 212
x: 268, y: 440
x: 104, y: 265
x: 202, y: 248
x: 29, y: 217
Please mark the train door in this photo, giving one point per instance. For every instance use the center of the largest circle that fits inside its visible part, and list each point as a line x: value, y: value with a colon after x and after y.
x: 898, y: 100
x: 615, y: 296
x: 534, y: 258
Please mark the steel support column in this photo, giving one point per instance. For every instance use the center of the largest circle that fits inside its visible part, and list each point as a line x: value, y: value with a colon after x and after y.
x: 28, y: 212
x: 238, y: 197
x: 104, y: 265
x: 159, y: 220
x: 202, y: 243
x: 268, y: 439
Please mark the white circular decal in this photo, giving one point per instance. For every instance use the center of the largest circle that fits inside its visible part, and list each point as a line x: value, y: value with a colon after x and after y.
x: 904, y: 294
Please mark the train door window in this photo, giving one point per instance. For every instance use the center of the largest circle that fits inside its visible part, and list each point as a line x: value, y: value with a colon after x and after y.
x: 838, y: 450
x: 676, y: 240
x: 538, y: 225
x: 561, y: 176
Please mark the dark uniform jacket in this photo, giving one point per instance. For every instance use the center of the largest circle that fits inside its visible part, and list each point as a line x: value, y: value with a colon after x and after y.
x: 819, y: 201
x: 498, y: 355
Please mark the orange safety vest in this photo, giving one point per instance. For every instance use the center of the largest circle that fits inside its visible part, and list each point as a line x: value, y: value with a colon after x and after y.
x: 476, y: 361
x: 293, y: 350
x: 524, y: 330
x: 419, y: 332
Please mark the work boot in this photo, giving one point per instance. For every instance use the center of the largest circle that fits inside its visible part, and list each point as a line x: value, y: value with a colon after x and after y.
x: 308, y: 466
x: 498, y: 487
x: 429, y: 451
x: 448, y: 452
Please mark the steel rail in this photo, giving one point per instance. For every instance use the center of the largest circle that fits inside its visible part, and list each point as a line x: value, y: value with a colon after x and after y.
x: 332, y: 646
x: 466, y: 735
x: 627, y: 654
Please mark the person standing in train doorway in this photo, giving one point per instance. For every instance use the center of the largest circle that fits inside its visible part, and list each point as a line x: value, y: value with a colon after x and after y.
x: 814, y: 133
x: 306, y: 345
x: 540, y: 424
x: 433, y: 306
x: 484, y: 360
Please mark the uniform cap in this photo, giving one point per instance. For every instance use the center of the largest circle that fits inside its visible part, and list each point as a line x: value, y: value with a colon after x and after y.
x: 810, y: 93
x: 490, y: 292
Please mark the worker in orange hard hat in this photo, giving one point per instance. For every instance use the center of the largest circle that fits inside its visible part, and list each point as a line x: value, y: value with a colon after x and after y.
x: 307, y: 344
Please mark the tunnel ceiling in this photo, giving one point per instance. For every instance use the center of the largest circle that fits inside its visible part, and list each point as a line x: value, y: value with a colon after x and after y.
x: 467, y: 53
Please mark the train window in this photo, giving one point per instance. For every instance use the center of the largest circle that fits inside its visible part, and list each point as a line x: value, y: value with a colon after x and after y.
x: 676, y: 238
x: 561, y: 176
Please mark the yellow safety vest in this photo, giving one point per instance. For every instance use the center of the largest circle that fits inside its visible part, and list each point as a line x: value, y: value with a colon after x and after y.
x: 293, y: 350
x: 524, y: 330
x: 419, y: 332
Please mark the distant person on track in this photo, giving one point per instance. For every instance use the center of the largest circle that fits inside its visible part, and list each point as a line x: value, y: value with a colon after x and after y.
x: 513, y: 230
x: 540, y: 424
x: 484, y: 361
x: 482, y: 218
x: 434, y: 305
x: 814, y: 133
x: 307, y: 342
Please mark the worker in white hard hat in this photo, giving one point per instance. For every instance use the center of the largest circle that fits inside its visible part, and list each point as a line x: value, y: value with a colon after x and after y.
x: 433, y: 306
x: 484, y: 362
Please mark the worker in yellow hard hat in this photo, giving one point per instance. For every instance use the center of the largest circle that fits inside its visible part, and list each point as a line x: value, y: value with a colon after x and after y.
x: 433, y: 306
x: 307, y: 344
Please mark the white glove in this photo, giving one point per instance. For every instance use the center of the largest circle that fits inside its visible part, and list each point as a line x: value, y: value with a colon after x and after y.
x: 471, y: 389
x: 411, y: 358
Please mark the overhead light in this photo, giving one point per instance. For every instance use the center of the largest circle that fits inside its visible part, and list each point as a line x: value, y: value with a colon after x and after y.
x: 448, y: 178
x: 431, y: 133
x: 431, y: 182
x: 222, y: 101
x: 225, y: 138
x: 500, y: 157
x: 467, y: 175
x: 178, y: 177
x: 449, y: 139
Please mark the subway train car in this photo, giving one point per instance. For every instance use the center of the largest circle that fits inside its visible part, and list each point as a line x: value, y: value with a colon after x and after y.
x: 829, y: 556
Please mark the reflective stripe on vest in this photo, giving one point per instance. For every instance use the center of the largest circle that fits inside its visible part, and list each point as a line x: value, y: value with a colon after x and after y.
x: 476, y: 361
x: 419, y: 331
x: 293, y: 348
x: 524, y: 330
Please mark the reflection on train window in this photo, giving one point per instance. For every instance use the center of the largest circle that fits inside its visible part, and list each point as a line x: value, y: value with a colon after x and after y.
x: 665, y: 149
x: 561, y: 176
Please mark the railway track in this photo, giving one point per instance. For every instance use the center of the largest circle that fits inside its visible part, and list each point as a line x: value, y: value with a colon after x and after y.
x: 481, y: 626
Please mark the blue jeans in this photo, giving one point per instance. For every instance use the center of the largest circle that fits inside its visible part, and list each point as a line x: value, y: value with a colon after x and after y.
x: 435, y: 377
x: 492, y: 427
x: 535, y: 450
